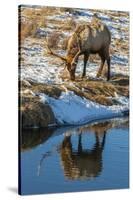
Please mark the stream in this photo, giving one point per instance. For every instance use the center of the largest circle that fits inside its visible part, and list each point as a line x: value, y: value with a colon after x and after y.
x: 71, y: 159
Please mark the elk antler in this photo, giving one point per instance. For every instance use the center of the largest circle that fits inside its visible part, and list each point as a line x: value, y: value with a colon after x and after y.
x: 75, y: 57
x: 79, y: 51
x: 54, y: 54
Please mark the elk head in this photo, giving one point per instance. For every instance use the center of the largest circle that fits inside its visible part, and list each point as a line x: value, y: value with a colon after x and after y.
x: 71, y: 67
x: 70, y: 60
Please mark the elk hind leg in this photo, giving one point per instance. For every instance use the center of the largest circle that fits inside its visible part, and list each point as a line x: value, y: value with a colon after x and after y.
x: 108, y: 63
x: 101, y: 66
x: 107, y: 57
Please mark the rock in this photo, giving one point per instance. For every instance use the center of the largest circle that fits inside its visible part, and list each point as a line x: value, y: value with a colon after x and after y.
x: 34, y: 113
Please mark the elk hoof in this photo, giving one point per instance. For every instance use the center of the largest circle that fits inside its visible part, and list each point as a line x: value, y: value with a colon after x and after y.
x: 72, y: 78
x: 83, y: 76
x: 98, y: 75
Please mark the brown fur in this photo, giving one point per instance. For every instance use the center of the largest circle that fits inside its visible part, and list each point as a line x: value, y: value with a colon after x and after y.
x: 93, y: 38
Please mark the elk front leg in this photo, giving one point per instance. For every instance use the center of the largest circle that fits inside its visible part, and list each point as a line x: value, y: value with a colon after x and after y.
x: 86, y: 56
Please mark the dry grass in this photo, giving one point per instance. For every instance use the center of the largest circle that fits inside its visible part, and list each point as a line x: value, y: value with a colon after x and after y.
x: 34, y: 21
x: 64, y: 43
x: 51, y: 90
x: 97, y: 91
x: 27, y: 30
x: 69, y: 10
x: 70, y: 24
x: 53, y: 39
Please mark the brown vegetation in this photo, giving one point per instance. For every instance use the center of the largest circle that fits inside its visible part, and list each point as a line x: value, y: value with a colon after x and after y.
x: 97, y: 91
x: 53, y: 39
x: 34, y: 113
x: 27, y: 30
x: 34, y: 20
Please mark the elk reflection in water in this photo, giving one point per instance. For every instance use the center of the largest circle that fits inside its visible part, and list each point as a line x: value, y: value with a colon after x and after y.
x: 94, y: 156
x: 82, y: 163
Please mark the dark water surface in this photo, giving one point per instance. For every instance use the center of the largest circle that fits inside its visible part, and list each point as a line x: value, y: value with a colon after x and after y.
x: 70, y: 159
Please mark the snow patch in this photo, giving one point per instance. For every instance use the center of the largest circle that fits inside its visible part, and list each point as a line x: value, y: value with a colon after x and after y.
x: 71, y: 109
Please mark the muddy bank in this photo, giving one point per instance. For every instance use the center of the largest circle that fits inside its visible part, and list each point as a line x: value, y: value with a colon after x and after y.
x: 35, y: 113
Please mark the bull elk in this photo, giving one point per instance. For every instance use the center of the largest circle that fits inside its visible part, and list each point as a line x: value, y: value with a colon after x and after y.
x: 91, y: 38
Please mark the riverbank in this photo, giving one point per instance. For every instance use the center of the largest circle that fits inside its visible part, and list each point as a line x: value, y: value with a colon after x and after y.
x: 47, y: 96
x: 72, y: 103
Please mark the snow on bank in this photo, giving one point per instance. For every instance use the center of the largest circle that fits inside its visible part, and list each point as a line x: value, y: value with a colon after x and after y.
x: 71, y: 109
